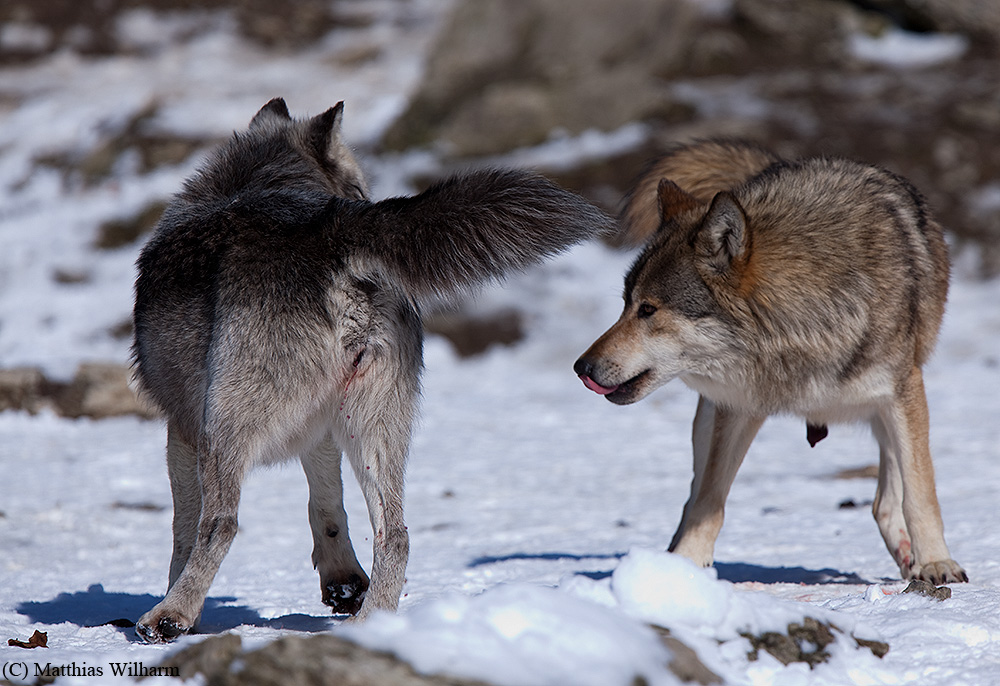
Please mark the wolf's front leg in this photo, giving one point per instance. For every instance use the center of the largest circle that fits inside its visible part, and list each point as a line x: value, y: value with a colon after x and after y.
x: 342, y: 580
x: 177, y: 613
x: 701, y: 441
x: 721, y: 438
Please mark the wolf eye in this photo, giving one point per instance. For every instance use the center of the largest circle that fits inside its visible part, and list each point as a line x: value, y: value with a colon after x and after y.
x: 645, y: 311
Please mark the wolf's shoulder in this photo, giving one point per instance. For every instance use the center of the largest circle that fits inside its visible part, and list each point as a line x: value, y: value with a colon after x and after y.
x: 260, y: 227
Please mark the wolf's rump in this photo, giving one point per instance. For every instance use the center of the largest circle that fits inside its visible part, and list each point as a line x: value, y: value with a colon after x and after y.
x: 702, y: 168
x: 276, y: 252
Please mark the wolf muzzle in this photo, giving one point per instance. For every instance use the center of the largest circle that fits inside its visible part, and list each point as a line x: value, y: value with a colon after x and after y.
x: 584, y: 368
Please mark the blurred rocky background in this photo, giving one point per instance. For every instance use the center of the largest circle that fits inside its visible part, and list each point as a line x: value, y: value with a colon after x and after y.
x: 913, y: 85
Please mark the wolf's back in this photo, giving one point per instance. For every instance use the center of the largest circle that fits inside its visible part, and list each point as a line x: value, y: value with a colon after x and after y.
x: 465, y: 230
x: 701, y: 169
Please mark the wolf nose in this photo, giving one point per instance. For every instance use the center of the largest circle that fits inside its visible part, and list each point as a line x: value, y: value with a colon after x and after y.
x: 584, y: 368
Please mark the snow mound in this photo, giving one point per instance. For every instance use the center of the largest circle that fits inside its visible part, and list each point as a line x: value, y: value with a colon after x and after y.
x: 520, y: 635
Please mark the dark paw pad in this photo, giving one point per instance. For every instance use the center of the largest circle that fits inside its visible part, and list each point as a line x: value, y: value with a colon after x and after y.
x: 165, y: 630
x: 345, y: 597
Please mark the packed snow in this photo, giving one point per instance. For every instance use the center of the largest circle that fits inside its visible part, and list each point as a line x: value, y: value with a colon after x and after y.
x: 538, y: 512
x: 907, y: 49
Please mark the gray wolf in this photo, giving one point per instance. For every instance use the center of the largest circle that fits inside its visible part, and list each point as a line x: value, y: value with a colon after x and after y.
x: 277, y: 314
x: 814, y: 288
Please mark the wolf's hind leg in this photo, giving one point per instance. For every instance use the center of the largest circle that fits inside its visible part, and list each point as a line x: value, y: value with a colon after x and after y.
x: 383, y: 409
x: 182, y: 467
x: 720, y: 438
x: 902, y: 429
x: 379, y: 465
x: 342, y: 580
x: 220, y: 473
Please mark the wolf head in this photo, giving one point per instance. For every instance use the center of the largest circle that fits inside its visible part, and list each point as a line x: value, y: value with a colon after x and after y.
x: 277, y: 152
x: 675, y: 321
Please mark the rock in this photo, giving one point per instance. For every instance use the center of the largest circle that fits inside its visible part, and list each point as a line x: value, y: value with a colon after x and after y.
x: 686, y: 665
x: 471, y: 333
x: 24, y: 388
x: 98, y: 390
x: 507, y: 74
x: 328, y: 660
x: 928, y: 589
x: 102, y: 390
x: 801, y: 32
x: 212, y: 656
x: 806, y: 642
x: 317, y: 660
x: 115, y: 233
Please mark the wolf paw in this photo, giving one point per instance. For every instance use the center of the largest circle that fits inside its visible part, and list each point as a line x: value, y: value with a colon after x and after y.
x: 940, y: 572
x: 346, y: 597
x: 158, y: 627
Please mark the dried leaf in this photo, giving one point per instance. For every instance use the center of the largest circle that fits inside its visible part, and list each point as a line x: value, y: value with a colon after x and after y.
x: 39, y: 639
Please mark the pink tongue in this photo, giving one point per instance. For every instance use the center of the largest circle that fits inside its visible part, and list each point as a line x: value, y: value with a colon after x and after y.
x: 596, y: 387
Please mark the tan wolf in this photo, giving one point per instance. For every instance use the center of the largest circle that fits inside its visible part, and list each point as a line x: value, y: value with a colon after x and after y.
x: 276, y: 314
x: 814, y: 288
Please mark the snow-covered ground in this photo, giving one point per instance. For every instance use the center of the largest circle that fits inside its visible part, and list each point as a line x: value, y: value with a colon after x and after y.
x: 536, y: 510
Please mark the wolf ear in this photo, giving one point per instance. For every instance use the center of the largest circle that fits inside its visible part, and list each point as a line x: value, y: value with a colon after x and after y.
x: 275, y: 107
x: 324, y: 129
x: 673, y: 200
x: 722, y: 237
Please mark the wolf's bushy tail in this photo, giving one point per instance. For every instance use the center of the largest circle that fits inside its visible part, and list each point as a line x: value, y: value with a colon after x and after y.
x: 701, y: 169
x: 466, y: 230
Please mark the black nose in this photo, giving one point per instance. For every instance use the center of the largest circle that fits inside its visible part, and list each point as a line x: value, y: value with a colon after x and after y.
x: 583, y: 367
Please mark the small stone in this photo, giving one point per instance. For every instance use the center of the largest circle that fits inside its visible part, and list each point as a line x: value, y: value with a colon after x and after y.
x: 928, y: 589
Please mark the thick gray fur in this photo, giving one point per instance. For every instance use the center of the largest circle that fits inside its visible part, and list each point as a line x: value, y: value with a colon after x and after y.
x: 276, y: 314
